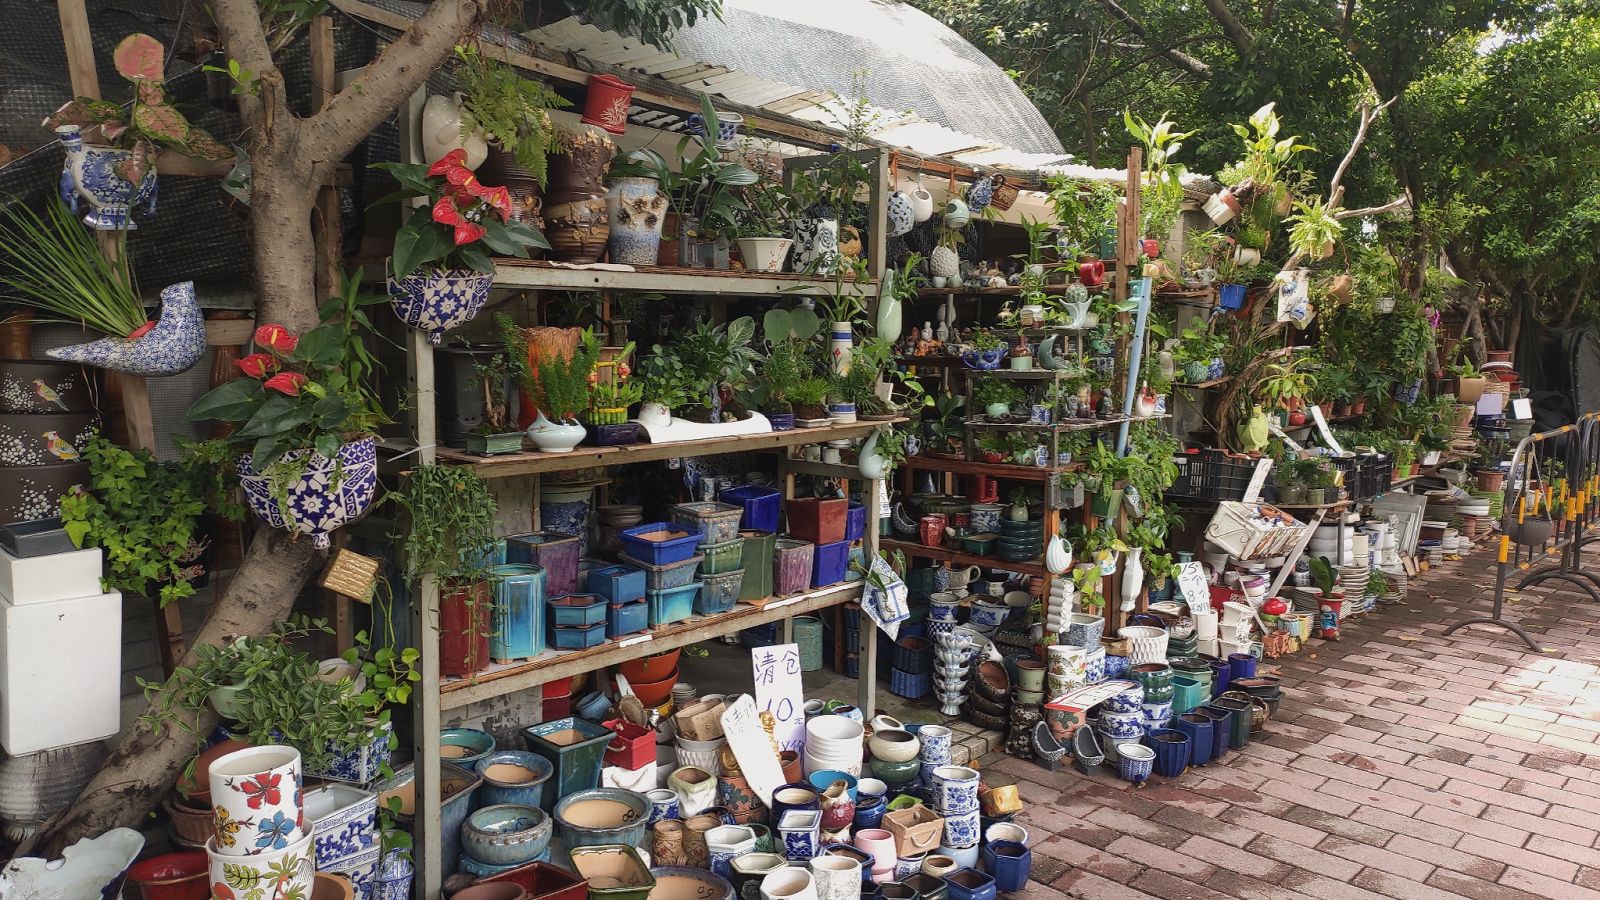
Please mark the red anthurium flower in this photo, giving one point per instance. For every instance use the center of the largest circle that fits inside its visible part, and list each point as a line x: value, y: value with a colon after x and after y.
x: 276, y: 338
x: 446, y: 212
x: 287, y: 383
x: 455, y: 159
x: 257, y: 365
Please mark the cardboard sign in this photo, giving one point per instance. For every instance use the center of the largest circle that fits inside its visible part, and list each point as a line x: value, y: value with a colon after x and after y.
x: 1326, y: 432
x: 777, y: 677
x: 1252, y: 491
x: 1193, y: 585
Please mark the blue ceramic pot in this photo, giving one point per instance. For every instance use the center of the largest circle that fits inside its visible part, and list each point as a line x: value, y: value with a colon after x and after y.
x: 1241, y: 665
x: 1221, y: 674
x: 506, y: 834
x: 869, y: 812
x: 796, y: 795
x: 679, y: 881
x: 620, y: 816
x: 530, y: 792
x: 460, y: 787
x: 969, y: 884
x: 1009, y: 863
x: 663, y: 805
x: 1128, y: 701
x: 1134, y: 762
x: 1221, y: 728
x: 1118, y: 727
x: 577, y: 762
x: 477, y: 745
x: 1197, y: 727
x: 1172, y: 750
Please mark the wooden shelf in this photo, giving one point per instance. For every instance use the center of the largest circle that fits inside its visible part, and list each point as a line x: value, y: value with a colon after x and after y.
x: 1204, y: 384
x: 1004, y: 471
x: 1075, y: 425
x: 1009, y: 290
x: 533, y: 462
x: 557, y: 664
x: 540, y: 275
x: 962, y: 558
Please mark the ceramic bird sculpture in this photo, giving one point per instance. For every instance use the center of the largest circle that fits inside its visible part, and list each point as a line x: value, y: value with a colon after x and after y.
x: 47, y: 393
x: 59, y: 447
x: 1144, y: 403
x: 1253, y: 431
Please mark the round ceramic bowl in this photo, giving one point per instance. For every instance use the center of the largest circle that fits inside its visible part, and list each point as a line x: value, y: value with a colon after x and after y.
x: 894, y: 745
x: 893, y: 773
x: 602, y: 816
x: 506, y: 834
x: 824, y: 732
x: 822, y: 779
x: 681, y: 882
x: 513, y: 776
x: 465, y: 746
x: 1006, y: 831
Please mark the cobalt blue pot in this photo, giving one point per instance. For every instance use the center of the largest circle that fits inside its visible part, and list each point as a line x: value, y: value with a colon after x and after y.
x: 1197, y: 726
x: 1221, y: 728
x: 1009, y: 864
x: 869, y: 812
x: 969, y: 884
x: 1172, y: 750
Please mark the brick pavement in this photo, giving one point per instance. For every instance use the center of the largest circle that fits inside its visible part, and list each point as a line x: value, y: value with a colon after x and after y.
x: 1402, y: 764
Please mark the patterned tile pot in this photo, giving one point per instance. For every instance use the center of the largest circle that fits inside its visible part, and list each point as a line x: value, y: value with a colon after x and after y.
x: 326, y: 494
x: 344, y: 823
x: 289, y: 869
x: 438, y: 301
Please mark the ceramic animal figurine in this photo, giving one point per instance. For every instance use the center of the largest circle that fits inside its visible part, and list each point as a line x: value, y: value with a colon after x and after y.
x: 172, y: 344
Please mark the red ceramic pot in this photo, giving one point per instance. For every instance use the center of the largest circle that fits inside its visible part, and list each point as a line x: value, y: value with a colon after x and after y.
x: 1092, y: 272
x: 1152, y: 247
x: 931, y: 530
x: 172, y: 876
x: 1330, y: 610
x: 464, y: 624
x: 606, y: 103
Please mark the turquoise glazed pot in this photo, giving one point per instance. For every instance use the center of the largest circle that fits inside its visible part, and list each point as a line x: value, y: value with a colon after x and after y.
x: 526, y: 788
x: 602, y: 816
x: 473, y: 745
x: 575, y: 747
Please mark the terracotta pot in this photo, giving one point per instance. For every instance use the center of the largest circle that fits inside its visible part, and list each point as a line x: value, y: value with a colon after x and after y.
x: 668, y: 848
x: 192, y: 824
x: 793, y: 766
x: 195, y: 786
x: 329, y: 886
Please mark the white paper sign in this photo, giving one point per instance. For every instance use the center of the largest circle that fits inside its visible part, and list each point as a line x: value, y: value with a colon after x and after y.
x: 1326, y: 432
x: 1522, y: 408
x: 1193, y: 585
x: 1252, y: 491
x: 777, y: 676
x: 751, y: 748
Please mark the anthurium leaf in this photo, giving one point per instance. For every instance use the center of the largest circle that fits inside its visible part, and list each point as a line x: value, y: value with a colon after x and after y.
x: 321, y: 346
x: 418, y: 243
x: 230, y: 402
x: 477, y: 258
x: 328, y: 444
x: 266, y: 452
x: 276, y: 416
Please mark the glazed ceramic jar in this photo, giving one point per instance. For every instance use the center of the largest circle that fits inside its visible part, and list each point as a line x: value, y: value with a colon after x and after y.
x: 256, y: 800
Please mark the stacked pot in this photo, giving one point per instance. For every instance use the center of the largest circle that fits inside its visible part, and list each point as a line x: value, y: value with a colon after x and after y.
x: 953, y: 794
x: 47, y: 411
x: 261, y: 836
x: 833, y: 743
x: 577, y: 221
x: 951, y: 664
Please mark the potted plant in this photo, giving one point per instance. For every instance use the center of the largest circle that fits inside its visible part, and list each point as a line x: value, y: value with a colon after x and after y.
x: 497, y: 433
x: 720, y: 359
x: 1314, y: 230
x: 441, y: 269
x: 996, y: 397
x: 839, y: 307
x: 984, y: 350
x: 111, y: 147
x: 514, y: 112
x: 638, y: 210
x: 273, y: 694
x: 701, y: 187
x: 665, y: 385
x: 1282, y: 386
x: 1161, y: 190
x: 760, y: 227
x: 990, y: 446
x: 786, y: 332
x: 305, y: 417
x: 1083, y: 210
x: 448, y: 533
x: 562, y: 393
x: 807, y: 397
x: 1470, y: 382
x: 56, y: 266
x: 609, y: 400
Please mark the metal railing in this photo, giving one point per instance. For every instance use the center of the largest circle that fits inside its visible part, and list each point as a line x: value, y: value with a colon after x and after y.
x: 1551, y: 502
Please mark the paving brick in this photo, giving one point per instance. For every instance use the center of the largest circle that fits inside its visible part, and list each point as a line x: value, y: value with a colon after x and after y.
x: 1549, y: 887
x: 1582, y: 855
x: 1171, y: 887
x: 1539, y: 825
x: 1477, y: 888
x: 1479, y: 793
x: 1303, y: 835
x: 1446, y: 857
x: 1414, y: 868
x: 1303, y: 857
x: 1125, y: 823
x: 1344, y: 826
x: 1195, y: 823
x: 1518, y: 858
x: 1400, y: 888
x: 1037, y: 891
x: 1087, y: 858
x: 1327, y: 888
x: 1086, y: 884
x: 1155, y: 856
x: 1233, y: 858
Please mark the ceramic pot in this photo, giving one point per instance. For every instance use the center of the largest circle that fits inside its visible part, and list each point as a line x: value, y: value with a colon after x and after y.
x: 393, y: 878
x: 838, y: 807
x: 735, y: 795
x: 799, y: 834
x: 46, y: 388
x: 36, y: 786
x: 88, y: 173
x: 1172, y: 750
x: 816, y: 245
x: 635, y: 209
x: 1009, y: 863
x: 880, y: 844
x: 956, y: 214
x: 668, y: 843
x: 289, y: 868
x: 1156, y: 679
x: 602, y: 816
x: 1196, y: 726
x: 1134, y: 762
x: 894, y: 745
x: 954, y: 790
x: 836, y: 877
x: 765, y: 254
x: 442, y: 132
x: 970, y: 884
x: 1221, y: 728
x: 328, y: 493
x: 506, y: 834
x: 788, y: 883
x: 696, y: 789
x: 796, y: 795
x: 938, y: 865
x: 552, y: 437
x: 256, y: 801
x: 436, y: 301
x: 748, y: 870
x: 577, y: 224
x: 726, y: 842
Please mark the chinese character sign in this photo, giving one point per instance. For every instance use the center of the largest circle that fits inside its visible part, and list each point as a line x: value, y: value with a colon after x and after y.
x: 777, y: 676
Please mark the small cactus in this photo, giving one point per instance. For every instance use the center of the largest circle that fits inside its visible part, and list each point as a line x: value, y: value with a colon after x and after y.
x: 139, y: 57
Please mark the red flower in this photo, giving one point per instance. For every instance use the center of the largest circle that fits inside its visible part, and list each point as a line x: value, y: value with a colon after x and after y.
x: 257, y: 365
x: 446, y: 212
x: 264, y: 787
x: 276, y: 338
x: 287, y: 383
x: 455, y: 159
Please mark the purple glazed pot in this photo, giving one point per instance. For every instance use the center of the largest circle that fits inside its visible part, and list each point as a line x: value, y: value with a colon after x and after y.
x: 791, y: 566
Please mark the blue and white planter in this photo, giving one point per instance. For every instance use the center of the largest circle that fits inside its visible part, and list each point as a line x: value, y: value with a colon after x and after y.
x: 174, y: 345
x: 636, y: 209
x: 89, y: 175
x: 954, y: 791
x: 1134, y: 762
x: 361, y: 870
x: 328, y: 493
x: 344, y: 824
x: 1119, y: 727
x: 961, y: 830
x: 983, y: 359
x: 392, y: 881
x: 901, y: 213
x: 438, y: 301
x: 360, y: 764
x: 842, y: 413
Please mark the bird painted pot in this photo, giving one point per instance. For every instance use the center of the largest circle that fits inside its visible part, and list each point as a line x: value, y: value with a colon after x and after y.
x: 172, y: 345
x: 439, y: 300
x: 326, y: 494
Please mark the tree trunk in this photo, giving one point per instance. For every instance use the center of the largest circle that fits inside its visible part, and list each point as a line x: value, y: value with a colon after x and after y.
x: 141, y: 770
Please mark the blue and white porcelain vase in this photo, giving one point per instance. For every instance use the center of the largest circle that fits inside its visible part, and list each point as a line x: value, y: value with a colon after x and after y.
x: 841, y: 346
x: 394, y: 877
x: 327, y: 494
x: 173, y: 345
x: 637, y: 210
x: 89, y: 175
x: 438, y: 301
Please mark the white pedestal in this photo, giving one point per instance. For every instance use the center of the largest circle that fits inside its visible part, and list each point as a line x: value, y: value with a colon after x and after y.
x: 60, y: 672
x: 57, y: 576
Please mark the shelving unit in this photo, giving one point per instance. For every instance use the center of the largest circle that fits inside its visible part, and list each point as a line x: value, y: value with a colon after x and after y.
x: 434, y: 696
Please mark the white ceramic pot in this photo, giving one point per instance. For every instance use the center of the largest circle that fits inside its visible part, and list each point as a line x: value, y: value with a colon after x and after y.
x: 921, y: 202
x: 552, y: 438
x: 654, y: 414
x: 288, y: 872
x: 894, y: 745
x: 93, y: 867
x: 1147, y: 643
x: 255, y: 795
x: 790, y: 883
x: 441, y: 131
x: 765, y: 254
x: 956, y: 214
x: 836, y: 877
x: 700, y: 754
x: 695, y: 787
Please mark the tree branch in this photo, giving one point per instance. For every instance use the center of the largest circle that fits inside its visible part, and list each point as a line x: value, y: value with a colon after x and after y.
x: 399, y: 70
x: 239, y: 23
x: 1397, y: 203
x: 1369, y: 115
x: 1238, y: 35
x: 1177, y: 57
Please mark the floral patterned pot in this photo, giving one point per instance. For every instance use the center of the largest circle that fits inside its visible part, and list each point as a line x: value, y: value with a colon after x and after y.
x: 89, y: 174
x: 329, y: 492
x: 438, y: 301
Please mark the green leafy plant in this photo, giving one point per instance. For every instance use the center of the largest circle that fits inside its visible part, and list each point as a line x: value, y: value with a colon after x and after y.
x: 1161, y: 192
x: 511, y: 108
x: 148, y: 121
x: 990, y: 391
x: 1266, y: 155
x: 809, y: 393
x: 1083, y: 209
x: 53, y: 263
x: 984, y: 339
x: 1322, y: 575
x: 450, y: 527
x: 843, y: 303
x: 562, y: 390
x: 144, y: 514
x: 1314, y: 230
x: 717, y: 355
x: 768, y: 210
x: 508, y: 364
x: 664, y: 379
x: 701, y: 185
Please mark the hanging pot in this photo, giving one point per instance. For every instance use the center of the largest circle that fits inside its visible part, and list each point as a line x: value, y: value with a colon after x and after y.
x: 89, y: 173
x: 438, y: 300
x: 327, y: 494
x: 606, y: 103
